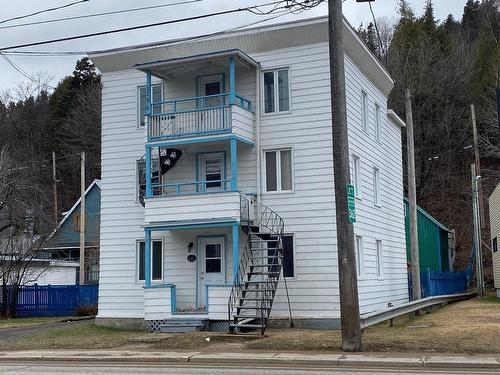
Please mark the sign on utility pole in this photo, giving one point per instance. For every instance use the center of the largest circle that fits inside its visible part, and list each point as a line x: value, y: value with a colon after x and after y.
x: 351, y: 203
x: 348, y: 282
x: 412, y: 200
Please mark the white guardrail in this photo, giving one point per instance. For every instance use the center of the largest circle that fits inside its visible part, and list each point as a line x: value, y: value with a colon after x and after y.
x: 393, y: 312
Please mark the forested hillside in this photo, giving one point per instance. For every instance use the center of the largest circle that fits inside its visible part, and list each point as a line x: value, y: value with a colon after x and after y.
x: 448, y: 65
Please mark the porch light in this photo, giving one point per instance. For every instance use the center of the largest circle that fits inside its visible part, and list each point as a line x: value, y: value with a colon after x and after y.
x: 190, y: 247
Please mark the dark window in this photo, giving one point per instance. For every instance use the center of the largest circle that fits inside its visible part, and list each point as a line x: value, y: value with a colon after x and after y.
x: 213, y: 258
x: 156, y: 258
x: 495, y: 245
x: 288, y: 260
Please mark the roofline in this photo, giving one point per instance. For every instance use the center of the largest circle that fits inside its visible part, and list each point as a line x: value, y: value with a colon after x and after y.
x: 429, y: 216
x: 393, y: 116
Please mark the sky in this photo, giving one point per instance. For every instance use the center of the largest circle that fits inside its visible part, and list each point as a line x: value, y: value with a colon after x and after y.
x: 54, y: 68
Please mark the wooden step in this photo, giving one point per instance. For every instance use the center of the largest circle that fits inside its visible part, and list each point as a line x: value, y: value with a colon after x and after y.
x: 245, y: 325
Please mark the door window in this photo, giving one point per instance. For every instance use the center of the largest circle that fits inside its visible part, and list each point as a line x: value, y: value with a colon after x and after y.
x: 213, y: 258
x: 211, y: 167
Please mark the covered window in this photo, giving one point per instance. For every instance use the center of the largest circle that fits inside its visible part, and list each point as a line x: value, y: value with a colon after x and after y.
x: 356, y: 175
x: 359, y: 256
x: 380, y: 259
x: 156, y: 96
x: 364, y: 110
x: 377, y: 122
x: 276, y: 91
x: 156, y: 260
x: 278, y: 168
x: 376, y: 186
x: 494, y: 244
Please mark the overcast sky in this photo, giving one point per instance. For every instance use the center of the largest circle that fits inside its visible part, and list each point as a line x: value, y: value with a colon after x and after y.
x: 58, y: 67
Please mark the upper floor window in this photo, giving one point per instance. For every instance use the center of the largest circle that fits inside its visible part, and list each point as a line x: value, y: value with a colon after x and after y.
x: 376, y: 186
x: 141, y: 178
x: 276, y: 91
x: 156, y: 96
x: 356, y: 176
x: 278, y: 170
x: 364, y: 110
x: 377, y: 122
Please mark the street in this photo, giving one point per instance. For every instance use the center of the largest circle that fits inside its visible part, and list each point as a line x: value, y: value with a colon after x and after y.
x: 123, y: 369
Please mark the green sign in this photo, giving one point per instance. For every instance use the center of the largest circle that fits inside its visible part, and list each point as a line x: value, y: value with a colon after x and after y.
x: 351, y: 203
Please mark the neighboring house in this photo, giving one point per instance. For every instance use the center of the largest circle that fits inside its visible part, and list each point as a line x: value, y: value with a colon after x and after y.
x: 64, y: 243
x: 433, y: 241
x: 494, y: 204
x: 227, y: 142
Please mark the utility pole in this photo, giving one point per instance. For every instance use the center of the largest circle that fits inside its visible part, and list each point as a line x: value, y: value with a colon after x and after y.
x: 477, y: 230
x: 348, y: 283
x: 412, y: 199
x: 54, y: 188
x: 82, y: 219
x: 477, y: 161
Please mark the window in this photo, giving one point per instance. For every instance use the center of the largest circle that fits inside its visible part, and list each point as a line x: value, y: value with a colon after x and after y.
x: 380, y: 259
x: 494, y: 245
x: 211, y: 170
x: 359, y: 256
x: 364, y: 110
x: 288, y: 255
x: 376, y: 186
x: 156, y: 260
x: 156, y: 93
x: 276, y: 96
x: 278, y: 170
x: 141, y: 177
x: 356, y: 175
x: 377, y: 122
x: 213, y: 258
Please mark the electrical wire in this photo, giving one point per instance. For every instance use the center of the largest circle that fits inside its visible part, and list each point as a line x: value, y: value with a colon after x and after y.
x: 378, y: 34
x: 294, y: 5
x: 99, y: 14
x: 22, y: 72
x: 43, y: 11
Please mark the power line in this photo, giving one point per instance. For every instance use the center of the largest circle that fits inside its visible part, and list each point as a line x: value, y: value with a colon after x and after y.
x: 44, y: 11
x: 378, y: 34
x: 99, y: 14
x: 22, y: 72
x: 294, y: 4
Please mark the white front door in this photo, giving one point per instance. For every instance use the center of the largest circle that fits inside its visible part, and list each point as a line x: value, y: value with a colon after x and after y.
x: 209, y: 86
x: 211, y: 254
x: 211, y: 171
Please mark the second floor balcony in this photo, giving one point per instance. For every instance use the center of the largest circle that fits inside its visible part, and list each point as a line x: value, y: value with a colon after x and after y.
x: 200, y: 96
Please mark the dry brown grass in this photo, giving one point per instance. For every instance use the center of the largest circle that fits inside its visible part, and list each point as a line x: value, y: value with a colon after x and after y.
x: 465, y: 327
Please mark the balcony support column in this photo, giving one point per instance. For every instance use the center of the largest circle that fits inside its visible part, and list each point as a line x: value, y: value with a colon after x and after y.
x: 234, y: 164
x: 236, y: 256
x: 149, y: 191
x: 148, y: 93
x: 147, y: 258
x: 232, y: 80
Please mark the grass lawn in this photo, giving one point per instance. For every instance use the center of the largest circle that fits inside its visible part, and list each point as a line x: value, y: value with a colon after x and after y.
x: 82, y: 336
x: 471, y: 326
x: 22, y: 322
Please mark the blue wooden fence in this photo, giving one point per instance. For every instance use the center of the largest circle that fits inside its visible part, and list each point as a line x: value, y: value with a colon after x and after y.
x: 439, y: 283
x: 54, y: 300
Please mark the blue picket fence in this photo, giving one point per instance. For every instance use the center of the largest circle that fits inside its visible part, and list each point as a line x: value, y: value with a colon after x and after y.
x: 439, y: 283
x: 54, y: 300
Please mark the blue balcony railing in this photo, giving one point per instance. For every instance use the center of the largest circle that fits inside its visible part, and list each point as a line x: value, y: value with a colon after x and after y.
x: 191, y: 187
x: 194, y: 116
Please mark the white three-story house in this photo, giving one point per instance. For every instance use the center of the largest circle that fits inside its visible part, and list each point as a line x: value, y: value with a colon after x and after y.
x: 217, y: 181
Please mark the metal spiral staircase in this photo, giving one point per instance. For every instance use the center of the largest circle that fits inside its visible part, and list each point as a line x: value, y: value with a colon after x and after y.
x: 254, y: 287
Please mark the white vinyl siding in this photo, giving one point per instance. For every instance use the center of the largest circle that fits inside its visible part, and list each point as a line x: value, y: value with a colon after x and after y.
x: 359, y: 257
x: 376, y: 186
x: 356, y: 175
x: 276, y: 91
x: 156, y: 95
x: 380, y: 259
x: 364, y: 110
x: 278, y: 170
x: 377, y: 123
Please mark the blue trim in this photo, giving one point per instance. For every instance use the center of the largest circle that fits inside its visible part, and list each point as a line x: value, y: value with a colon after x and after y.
x: 235, y: 234
x: 197, y: 178
x: 149, y: 190
x: 192, y: 226
x: 219, y: 138
x: 173, y: 299
x: 234, y: 165
x: 148, y: 93
x: 147, y: 258
x: 232, y: 87
x: 198, y: 281
x: 159, y: 286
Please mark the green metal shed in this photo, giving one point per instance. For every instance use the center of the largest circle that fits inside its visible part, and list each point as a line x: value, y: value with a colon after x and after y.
x: 432, y: 240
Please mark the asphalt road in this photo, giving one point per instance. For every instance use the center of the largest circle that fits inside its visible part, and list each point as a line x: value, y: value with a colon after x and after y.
x: 85, y: 369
